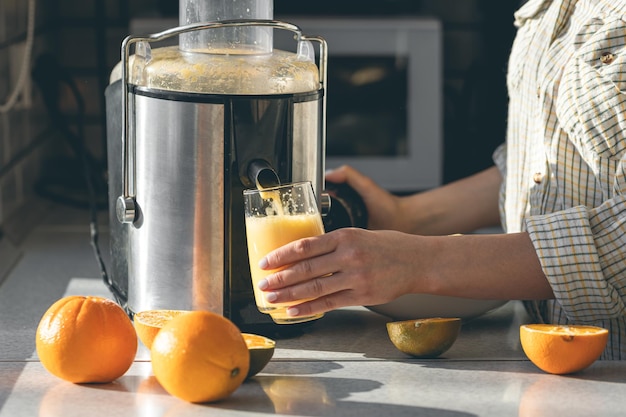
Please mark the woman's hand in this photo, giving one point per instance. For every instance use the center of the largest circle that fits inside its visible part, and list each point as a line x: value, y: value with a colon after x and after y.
x: 382, y: 206
x: 341, y: 268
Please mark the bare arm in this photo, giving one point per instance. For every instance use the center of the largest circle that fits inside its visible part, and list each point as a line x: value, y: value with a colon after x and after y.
x: 502, y: 266
x: 458, y: 207
x: 364, y: 267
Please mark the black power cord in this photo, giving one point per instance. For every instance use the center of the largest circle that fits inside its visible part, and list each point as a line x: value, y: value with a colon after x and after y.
x: 50, y: 77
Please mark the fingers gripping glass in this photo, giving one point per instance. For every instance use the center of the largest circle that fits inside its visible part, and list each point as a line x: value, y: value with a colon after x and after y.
x: 274, y: 217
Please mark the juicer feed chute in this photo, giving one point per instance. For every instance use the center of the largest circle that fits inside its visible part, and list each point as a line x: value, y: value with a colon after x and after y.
x: 189, y: 128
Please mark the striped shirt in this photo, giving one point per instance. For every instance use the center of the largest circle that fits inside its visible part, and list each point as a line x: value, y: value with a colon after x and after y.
x: 564, y: 161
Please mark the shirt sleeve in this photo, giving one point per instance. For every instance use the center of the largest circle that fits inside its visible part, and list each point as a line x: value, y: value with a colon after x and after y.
x: 582, y: 249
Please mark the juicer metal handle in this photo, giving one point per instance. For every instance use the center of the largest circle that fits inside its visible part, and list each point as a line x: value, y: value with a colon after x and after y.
x: 126, y: 208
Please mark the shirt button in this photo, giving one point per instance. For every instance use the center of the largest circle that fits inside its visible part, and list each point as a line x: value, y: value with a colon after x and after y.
x: 607, y: 57
x: 537, y: 177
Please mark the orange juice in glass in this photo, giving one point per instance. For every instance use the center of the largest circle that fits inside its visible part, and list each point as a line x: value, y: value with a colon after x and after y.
x: 274, y: 217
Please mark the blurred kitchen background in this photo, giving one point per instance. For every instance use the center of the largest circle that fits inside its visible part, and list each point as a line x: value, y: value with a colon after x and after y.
x: 58, y: 122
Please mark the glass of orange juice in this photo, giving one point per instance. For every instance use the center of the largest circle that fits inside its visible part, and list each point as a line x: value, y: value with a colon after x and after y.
x: 274, y: 217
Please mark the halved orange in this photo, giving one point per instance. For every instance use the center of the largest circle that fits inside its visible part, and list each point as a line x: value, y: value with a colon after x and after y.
x: 562, y: 349
x: 424, y: 338
x: 149, y: 322
x: 261, y: 350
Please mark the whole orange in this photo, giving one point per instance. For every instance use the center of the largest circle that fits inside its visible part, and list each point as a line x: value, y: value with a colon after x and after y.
x: 86, y: 339
x: 562, y: 349
x: 200, y: 357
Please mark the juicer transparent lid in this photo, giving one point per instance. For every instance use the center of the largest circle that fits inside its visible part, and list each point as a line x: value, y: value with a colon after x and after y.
x: 224, y: 67
x: 286, y: 73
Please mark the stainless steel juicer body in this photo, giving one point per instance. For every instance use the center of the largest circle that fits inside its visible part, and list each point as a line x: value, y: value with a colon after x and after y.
x: 187, y: 243
x: 178, y: 164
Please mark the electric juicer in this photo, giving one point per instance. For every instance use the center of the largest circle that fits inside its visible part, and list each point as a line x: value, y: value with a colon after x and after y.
x: 189, y: 127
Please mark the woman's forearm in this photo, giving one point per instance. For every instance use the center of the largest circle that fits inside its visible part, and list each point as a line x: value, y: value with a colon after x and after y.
x: 501, y: 266
x: 459, y: 207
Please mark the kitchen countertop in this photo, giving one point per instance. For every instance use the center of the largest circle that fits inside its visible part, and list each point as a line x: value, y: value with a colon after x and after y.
x: 342, y: 365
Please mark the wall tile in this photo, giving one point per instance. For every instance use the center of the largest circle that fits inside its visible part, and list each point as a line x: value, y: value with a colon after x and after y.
x: 5, y: 131
x: 4, y: 73
x: 77, y: 8
x: 3, y: 28
x: 12, y: 192
x: 77, y: 47
x: 19, y: 127
x: 10, y: 18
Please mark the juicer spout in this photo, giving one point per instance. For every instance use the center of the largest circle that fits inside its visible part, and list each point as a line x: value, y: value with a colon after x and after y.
x: 262, y: 174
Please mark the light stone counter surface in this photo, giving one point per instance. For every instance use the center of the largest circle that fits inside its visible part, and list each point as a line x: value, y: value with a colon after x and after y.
x: 343, y: 365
